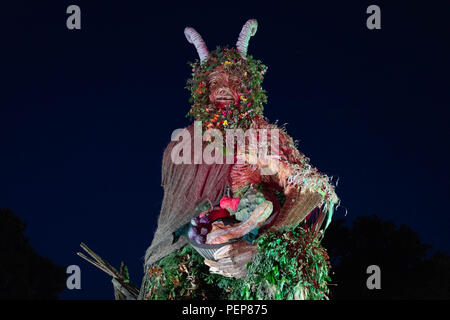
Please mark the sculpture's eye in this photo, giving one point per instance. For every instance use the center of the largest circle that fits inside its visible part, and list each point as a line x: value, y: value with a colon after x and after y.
x: 212, y: 82
x: 234, y: 81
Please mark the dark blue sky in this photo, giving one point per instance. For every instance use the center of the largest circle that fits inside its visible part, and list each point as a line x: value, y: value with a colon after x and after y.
x: 85, y: 115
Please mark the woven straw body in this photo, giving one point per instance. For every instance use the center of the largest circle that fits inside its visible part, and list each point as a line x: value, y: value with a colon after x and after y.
x: 185, y: 185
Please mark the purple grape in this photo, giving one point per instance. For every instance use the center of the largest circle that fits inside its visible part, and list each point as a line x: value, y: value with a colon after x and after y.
x: 204, y: 231
x: 199, y: 239
x: 205, y: 220
x: 192, y: 233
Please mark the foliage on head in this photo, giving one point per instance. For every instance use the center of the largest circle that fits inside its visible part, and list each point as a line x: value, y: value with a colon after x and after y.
x: 245, y: 76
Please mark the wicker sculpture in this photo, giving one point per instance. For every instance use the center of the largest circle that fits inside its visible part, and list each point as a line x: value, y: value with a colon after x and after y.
x: 222, y: 208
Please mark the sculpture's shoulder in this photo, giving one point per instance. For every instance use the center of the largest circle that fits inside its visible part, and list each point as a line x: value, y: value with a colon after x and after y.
x: 287, y: 146
x: 187, y: 132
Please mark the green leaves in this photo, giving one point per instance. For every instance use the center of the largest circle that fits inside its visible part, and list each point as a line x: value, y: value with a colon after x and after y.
x: 285, y: 262
x: 183, y: 275
x: 287, y: 265
x: 124, y: 272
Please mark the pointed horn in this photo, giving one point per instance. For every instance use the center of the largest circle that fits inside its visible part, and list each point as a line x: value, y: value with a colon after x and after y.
x: 194, y: 37
x: 248, y: 30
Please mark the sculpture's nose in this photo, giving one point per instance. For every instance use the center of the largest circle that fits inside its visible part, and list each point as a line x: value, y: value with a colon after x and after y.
x: 224, y: 91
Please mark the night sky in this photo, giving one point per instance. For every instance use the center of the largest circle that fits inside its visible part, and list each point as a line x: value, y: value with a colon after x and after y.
x: 86, y: 114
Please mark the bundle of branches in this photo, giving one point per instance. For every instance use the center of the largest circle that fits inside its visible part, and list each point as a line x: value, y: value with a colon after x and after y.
x: 123, y: 288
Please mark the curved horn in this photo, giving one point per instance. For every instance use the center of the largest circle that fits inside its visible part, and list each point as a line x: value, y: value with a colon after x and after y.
x: 248, y: 30
x: 195, y: 38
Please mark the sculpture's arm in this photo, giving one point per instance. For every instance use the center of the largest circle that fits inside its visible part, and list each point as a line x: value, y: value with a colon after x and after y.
x: 303, y: 185
x: 305, y: 189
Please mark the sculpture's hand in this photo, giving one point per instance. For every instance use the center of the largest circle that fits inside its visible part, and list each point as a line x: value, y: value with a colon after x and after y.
x: 238, y: 230
x: 232, y: 259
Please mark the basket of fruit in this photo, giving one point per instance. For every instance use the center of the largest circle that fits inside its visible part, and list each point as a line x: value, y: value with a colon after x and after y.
x: 216, y: 227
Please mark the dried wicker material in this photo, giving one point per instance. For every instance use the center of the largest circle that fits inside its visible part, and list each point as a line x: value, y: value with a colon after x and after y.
x: 296, y: 207
x: 207, y: 251
x: 184, y: 186
x: 243, y: 175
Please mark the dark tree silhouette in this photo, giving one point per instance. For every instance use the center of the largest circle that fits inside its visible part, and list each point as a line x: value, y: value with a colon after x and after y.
x: 409, y: 268
x: 24, y: 274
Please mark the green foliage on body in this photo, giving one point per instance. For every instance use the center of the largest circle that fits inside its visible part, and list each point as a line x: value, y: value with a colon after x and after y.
x: 292, y: 265
x: 289, y: 265
x: 183, y: 275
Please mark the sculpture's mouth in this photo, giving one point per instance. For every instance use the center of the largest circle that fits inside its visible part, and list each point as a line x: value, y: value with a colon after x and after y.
x: 224, y: 100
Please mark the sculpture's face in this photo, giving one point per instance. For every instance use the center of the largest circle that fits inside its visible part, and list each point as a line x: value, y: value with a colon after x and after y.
x: 226, y: 90
x: 223, y: 88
